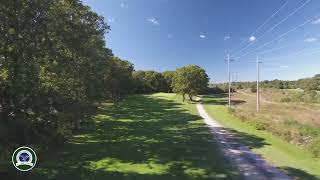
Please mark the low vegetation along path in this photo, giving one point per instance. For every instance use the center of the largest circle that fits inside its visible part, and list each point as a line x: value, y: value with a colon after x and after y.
x: 249, y: 164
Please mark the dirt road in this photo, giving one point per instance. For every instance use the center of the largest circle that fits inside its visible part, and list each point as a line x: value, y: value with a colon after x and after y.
x: 249, y: 164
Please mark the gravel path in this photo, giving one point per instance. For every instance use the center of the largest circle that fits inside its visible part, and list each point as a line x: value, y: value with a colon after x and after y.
x: 249, y: 164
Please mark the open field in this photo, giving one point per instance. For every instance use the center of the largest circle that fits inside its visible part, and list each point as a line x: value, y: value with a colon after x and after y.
x: 149, y: 137
x: 296, y: 161
x: 273, y: 109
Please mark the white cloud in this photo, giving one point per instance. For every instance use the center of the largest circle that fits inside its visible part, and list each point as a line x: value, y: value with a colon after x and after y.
x: 285, y: 66
x: 110, y: 20
x: 252, y: 38
x: 311, y: 40
x: 227, y: 38
x: 124, y: 4
x: 317, y: 21
x: 153, y: 21
x: 202, y: 36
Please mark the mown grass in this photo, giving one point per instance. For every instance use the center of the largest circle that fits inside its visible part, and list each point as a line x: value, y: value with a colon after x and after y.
x: 295, y: 161
x: 150, y: 137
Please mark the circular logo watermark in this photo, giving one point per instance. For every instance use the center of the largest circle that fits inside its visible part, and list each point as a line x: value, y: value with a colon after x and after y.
x: 24, y: 158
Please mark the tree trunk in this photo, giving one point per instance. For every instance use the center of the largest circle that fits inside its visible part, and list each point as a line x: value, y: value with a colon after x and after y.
x: 77, y: 121
x: 183, y: 97
x: 190, y: 97
x: 114, y: 100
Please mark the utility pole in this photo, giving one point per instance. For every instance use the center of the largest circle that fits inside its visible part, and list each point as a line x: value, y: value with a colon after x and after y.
x: 258, y: 95
x: 228, y: 60
x: 229, y: 100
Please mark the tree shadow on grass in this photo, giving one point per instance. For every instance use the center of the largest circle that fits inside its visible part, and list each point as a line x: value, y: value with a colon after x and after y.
x: 299, y: 174
x: 219, y: 101
x: 236, y: 137
x: 147, y: 138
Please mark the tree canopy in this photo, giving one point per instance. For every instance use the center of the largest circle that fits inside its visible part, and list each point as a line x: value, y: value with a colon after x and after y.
x: 55, y: 66
x: 189, y: 80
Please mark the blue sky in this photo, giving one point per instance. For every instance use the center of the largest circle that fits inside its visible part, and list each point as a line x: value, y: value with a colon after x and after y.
x: 166, y: 34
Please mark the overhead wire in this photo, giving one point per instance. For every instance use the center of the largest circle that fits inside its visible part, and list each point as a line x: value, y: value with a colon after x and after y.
x: 265, y: 22
x: 273, y: 27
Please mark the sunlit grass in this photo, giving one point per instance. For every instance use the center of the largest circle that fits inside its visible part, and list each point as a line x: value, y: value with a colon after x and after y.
x: 149, y: 137
x: 114, y: 165
x: 296, y: 161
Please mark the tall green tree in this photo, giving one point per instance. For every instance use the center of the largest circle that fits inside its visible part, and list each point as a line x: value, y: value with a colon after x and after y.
x: 119, y: 79
x: 138, y: 81
x: 52, y: 63
x: 189, y: 80
x: 168, y: 76
x: 154, y: 81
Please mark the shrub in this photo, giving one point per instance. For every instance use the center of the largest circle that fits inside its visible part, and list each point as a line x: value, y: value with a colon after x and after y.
x: 314, y: 147
x: 285, y: 99
x: 259, y: 125
x: 231, y: 110
x: 253, y: 88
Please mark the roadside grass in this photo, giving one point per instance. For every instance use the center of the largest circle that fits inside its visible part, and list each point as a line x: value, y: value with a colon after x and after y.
x: 296, y: 123
x: 149, y: 137
x: 272, y: 108
x: 295, y: 161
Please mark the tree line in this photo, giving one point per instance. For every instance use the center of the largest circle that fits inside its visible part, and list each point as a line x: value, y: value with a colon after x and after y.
x: 308, y: 84
x: 55, y: 66
x: 189, y: 80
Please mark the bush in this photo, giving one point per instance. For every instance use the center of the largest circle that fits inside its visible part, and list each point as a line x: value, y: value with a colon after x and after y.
x: 213, y: 90
x: 253, y: 88
x: 231, y: 110
x: 305, y: 135
x: 259, y: 125
x: 286, y: 99
x: 314, y: 147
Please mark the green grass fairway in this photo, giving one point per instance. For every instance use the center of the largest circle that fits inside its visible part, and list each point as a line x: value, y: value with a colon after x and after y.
x: 150, y: 137
x: 294, y: 160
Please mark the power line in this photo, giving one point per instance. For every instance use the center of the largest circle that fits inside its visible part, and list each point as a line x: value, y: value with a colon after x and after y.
x: 279, y: 37
x: 299, y: 53
x: 273, y: 49
x: 278, y: 48
x: 287, y: 17
x: 284, y: 34
x: 284, y: 5
x: 273, y: 27
x: 265, y: 22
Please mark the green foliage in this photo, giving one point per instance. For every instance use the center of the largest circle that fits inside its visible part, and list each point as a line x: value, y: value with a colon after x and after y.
x: 168, y: 76
x: 154, y: 81
x: 253, y: 88
x: 309, y: 96
x: 54, y: 66
x: 231, y: 110
x: 285, y: 99
x: 259, y: 125
x: 106, y: 149
x: 138, y: 80
x: 151, y: 81
x: 314, y: 147
x: 306, y: 84
x: 146, y: 82
x: 288, y: 130
x: 118, y: 79
x: 190, y: 80
x: 295, y: 160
